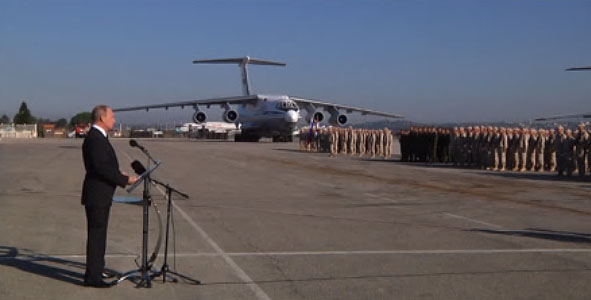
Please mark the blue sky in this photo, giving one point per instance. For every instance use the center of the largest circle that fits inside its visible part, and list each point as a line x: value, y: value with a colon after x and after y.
x: 432, y: 61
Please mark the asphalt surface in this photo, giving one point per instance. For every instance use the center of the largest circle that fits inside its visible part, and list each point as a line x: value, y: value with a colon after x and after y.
x: 268, y: 221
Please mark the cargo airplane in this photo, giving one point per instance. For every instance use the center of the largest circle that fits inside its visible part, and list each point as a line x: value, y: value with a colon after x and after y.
x: 274, y: 116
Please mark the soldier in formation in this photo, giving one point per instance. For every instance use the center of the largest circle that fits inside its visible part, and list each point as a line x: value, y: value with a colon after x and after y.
x: 500, y: 148
x: 348, y: 141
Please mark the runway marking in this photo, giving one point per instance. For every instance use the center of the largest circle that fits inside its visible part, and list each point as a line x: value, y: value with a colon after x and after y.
x: 472, y: 220
x: 323, y: 253
x: 260, y: 294
x: 243, y: 276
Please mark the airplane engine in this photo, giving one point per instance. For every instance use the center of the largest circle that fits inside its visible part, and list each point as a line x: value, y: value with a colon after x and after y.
x: 199, y: 117
x: 318, y: 116
x: 338, y: 119
x: 230, y: 116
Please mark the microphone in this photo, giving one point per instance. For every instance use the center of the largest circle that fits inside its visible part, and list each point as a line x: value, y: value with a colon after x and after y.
x: 134, y: 143
x: 137, y: 166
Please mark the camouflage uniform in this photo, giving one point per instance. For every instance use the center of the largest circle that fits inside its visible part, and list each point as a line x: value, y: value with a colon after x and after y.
x: 540, y: 148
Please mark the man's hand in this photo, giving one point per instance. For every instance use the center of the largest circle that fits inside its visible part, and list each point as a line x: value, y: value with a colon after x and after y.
x: 131, y: 180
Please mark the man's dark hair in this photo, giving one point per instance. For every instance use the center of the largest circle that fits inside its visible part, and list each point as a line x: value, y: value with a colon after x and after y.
x: 98, y: 112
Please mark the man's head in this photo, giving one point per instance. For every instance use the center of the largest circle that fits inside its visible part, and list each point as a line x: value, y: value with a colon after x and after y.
x: 533, y: 131
x: 103, y: 116
x: 560, y: 129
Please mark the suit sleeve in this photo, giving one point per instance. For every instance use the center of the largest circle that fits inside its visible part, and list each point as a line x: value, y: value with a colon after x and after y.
x: 103, y: 165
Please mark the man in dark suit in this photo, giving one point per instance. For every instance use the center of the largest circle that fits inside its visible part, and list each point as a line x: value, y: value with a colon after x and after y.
x: 102, y: 177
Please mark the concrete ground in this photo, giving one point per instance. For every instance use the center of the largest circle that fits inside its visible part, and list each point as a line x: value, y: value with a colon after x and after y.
x: 267, y: 221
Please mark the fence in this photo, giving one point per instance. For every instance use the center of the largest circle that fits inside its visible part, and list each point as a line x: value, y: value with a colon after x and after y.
x: 19, y: 131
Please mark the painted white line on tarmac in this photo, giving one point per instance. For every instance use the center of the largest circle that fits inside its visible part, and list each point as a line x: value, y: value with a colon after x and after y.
x: 250, y: 283
x: 397, y: 252
x: 323, y: 253
x: 472, y: 220
x: 260, y: 294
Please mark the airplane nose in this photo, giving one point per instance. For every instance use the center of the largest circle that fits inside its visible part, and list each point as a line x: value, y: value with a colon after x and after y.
x: 291, y: 116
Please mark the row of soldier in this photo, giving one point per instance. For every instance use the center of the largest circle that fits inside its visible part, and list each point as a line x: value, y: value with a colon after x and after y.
x: 352, y: 141
x: 499, y: 148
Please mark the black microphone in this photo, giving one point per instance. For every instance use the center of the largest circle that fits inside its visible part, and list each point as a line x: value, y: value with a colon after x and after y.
x: 133, y: 143
x: 137, y: 166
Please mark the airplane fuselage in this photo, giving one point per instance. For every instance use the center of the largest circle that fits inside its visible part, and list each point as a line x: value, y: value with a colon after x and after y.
x: 271, y: 116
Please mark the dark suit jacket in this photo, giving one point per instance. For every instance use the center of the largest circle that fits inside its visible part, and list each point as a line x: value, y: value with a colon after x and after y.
x: 102, y: 170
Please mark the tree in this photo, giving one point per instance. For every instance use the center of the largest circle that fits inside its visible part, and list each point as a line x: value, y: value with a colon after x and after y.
x: 4, y: 119
x: 24, y: 115
x: 61, y: 123
x: 81, y: 118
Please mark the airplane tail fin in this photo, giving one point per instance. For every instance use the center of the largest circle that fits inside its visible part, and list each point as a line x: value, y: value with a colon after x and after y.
x: 243, y: 62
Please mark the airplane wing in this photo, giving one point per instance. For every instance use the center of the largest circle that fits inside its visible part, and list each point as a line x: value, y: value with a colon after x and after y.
x: 213, y: 101
x: 579, y: 69
x: 310, y: 104
x: 577, y: 116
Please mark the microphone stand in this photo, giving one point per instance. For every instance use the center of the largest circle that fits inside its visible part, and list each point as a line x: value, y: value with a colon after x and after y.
x: 143, y: 273
x: 165, y: 270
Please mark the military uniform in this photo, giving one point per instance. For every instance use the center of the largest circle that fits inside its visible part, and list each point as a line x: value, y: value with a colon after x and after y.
x: 569, y: 147
x: 550, y: 151
x: 522, y: 149
x: 531, y: 150
x: 582, y: 144
x: 501, y: 154
x: 540, y: 148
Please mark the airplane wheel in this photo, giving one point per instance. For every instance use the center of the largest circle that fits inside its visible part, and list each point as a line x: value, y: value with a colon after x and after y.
x: 248, y: 138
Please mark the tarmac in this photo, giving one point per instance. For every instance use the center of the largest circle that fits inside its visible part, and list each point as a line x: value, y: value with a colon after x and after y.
x: 268, y: 221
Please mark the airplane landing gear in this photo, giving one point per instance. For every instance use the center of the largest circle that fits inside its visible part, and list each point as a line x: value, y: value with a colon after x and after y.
x: 247, y: 138
x: 283, y: 139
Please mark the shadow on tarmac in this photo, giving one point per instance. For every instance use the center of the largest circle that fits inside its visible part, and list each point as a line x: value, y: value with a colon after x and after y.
x: 298, y: 151
x: 43, y: 265
x: 530, y: 175
x: 561, y: 236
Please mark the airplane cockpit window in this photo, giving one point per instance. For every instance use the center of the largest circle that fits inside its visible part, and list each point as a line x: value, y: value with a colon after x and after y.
x: 287, y: 105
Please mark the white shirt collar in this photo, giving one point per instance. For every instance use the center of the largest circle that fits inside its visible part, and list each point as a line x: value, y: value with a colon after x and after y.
x: 100, y: 129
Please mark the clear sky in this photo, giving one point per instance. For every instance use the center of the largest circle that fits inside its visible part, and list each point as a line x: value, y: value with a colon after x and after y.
x: 432, y: 61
